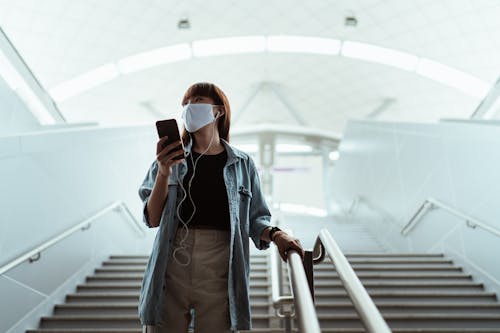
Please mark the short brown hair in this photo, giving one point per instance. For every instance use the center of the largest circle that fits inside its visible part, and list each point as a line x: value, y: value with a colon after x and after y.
x: 210, y: 90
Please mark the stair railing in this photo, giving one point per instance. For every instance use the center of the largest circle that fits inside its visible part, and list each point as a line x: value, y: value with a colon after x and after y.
x: 368, y: 312
x: 35, y: 253
x: 300, y: 303
x: 431, y: 203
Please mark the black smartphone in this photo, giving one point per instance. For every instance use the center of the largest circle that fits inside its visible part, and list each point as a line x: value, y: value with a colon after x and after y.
x: 169, y: 128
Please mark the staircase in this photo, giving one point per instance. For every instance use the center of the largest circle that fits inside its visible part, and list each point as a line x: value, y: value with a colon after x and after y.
x: 414, y: 292
x: 108, y: 300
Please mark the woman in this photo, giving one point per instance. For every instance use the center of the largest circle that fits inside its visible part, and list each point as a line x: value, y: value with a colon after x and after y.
x: 207, y: 208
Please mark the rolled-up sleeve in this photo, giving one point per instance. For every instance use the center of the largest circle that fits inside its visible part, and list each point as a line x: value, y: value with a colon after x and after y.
x: 145, y: 191
x: 260, y: 216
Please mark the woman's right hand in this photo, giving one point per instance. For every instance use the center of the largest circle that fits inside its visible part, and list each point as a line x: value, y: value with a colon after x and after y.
x: 166, y: 160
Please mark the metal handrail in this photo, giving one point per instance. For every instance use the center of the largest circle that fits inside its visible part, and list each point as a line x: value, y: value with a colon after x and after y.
x: 301, y: 302
x: 431, y: 203
x: 304, y: 304
x: 369, y: 313
x: 84, y: 225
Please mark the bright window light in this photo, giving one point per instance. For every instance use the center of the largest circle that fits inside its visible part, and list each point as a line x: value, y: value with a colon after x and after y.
x: 230, y: 45
x: 292, y: 148
x: 153, y: 58
x: 334, y: 155
x: 453, y: 78
x: 303, y: 44
x: 380, y: 55
x: 84, y: 82
x: 301, y: 209
x: 9, y: 73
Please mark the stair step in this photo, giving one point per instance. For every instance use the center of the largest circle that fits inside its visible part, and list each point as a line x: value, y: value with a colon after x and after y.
x: 266, y: 330
x: 117, y: 277
x: 112, y: 297
x: 128, y: 308
x: 383, y: 267
x: 392, y: 255
x: 326, y: 274
x: 413, y: 296
x: 417, y: 308
x: 74, y: 321
x: 85, y: 330
x: 417, y: 320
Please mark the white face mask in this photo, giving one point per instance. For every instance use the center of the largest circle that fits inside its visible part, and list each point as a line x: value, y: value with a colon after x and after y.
x: 195, y: 116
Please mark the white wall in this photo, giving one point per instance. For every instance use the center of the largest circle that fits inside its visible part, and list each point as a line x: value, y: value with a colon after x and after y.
x: 396, y: 166
x: 14, y: 116
x: 51, y: 181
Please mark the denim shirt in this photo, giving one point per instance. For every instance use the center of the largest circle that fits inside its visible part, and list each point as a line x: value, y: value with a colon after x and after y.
x: 249, y: 215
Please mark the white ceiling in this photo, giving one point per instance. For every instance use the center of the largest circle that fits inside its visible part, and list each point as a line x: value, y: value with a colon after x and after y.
x: 61, y: 39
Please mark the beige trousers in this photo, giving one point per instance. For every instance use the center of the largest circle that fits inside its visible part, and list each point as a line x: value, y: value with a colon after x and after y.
x: 201, y: 285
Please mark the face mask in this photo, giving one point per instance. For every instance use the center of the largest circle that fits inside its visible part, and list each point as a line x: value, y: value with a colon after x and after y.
x: 195, y: 116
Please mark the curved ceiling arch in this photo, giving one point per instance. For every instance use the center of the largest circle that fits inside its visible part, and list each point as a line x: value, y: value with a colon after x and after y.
x: 436, y: 71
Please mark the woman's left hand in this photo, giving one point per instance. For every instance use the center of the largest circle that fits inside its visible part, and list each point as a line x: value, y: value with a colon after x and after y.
x: 285, y: 242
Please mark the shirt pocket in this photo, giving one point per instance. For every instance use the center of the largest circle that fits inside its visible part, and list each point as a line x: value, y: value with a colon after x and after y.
x: 245, y: 196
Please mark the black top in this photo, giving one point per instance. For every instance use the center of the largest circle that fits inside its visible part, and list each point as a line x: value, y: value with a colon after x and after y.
x: 208, y: 191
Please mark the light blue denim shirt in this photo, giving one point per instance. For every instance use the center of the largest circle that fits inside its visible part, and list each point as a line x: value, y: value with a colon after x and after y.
x: 249, y: 216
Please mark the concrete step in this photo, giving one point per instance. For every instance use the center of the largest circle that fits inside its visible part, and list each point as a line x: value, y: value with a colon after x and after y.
x: 318, y: 285
x: 141, y: 269
x: 124, y: 308
x: 120, y: 297
x: 414, y: 308
x: 392, y: 255
x: 396, y: 276
x: 133, y: 277
x: 101, y: 321
x: 86, y: 330
x: 266, y: 330
x: 410, y: 296
x: 393, y: 260
x: 400, y: 268
x: 395, y: 330
x: 417, y: 320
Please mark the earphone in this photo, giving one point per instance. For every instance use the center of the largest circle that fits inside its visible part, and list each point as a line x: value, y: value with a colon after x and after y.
x: 181, y: 246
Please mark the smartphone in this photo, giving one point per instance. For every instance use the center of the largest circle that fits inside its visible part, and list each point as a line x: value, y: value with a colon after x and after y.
x: 169, y: 128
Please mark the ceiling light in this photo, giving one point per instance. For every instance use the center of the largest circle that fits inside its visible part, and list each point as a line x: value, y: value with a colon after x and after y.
x: 184, y: 23
x: 230, y: 45
x: 380, y: 55
x: 303, y: 44
x: 84, y: 82
x: 153, y: 58
x: 350, y: 21
x: 453, y: 78
x: 334, y: 155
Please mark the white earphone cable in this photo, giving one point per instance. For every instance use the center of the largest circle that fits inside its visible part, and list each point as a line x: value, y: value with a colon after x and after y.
x: 182, y: 247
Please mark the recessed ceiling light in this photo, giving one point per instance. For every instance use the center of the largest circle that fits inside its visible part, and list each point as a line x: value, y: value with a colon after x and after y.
x: 184, y: 23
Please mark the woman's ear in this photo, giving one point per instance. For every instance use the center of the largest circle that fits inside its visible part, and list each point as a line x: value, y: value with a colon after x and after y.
x: 220, y: 113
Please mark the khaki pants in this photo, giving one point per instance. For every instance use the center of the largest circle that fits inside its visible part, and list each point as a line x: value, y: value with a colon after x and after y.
x: 201, y: 285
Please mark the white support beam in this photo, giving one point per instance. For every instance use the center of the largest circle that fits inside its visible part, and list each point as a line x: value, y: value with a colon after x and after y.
x: 27, y: 86
x: 490, y: 105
